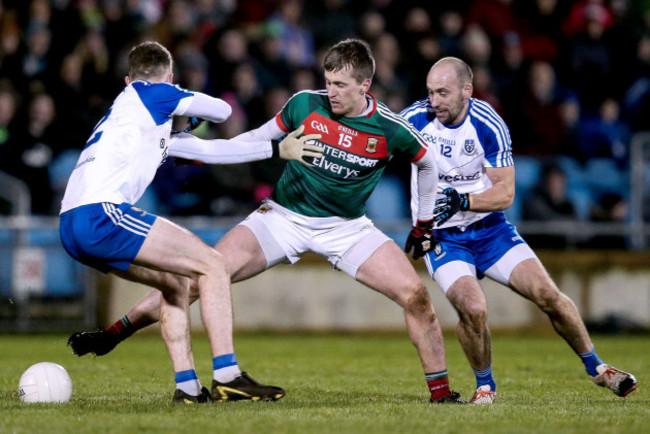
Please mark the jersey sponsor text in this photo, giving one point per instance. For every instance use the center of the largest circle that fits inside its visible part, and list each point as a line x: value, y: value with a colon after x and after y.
x: 458, y: 178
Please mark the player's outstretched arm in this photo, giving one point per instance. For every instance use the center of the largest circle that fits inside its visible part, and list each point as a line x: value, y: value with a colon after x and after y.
x: 187, y: 147
x: 205, y: 107
x: 219, y: 151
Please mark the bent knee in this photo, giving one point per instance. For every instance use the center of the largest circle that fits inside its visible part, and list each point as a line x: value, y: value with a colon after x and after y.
x: 210, y: 262
x: 416, y: 297
x: 176, y: 283
x: 549, y: 298
x: 473, y: 312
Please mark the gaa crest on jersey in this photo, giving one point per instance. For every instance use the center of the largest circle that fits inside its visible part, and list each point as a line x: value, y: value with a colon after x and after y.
x: 437, y: 249
x: 264, y: 208
x: 469, y: 148
x: 371, y: 145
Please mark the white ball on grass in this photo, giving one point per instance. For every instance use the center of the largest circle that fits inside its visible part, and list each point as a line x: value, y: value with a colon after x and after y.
x: 45, y: 382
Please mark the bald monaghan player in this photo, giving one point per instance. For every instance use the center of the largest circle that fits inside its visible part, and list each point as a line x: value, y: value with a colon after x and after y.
x: 101, y: 228
x: 476, y: 177
x: 321, y: 209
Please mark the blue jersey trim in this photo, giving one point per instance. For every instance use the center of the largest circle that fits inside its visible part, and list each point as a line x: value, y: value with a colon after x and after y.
x: 419, y: 114
x: 493, y: 133
x: 160, y: 99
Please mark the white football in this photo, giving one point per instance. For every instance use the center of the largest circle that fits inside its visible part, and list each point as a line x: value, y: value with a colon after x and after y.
x: 45, y: 382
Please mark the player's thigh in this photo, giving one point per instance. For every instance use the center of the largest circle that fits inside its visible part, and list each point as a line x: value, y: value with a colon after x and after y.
x: 169, y: 247
x: 467, y: 297
x: 161, y: 280
x: 530, y: 279
x: 508, y: 258
x: 389, y: 272
x: 348, y: 244
x: 242, y: 252
x: 448, y: 273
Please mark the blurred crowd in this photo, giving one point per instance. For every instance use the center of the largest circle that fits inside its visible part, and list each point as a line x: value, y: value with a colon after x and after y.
x: 571, y: 78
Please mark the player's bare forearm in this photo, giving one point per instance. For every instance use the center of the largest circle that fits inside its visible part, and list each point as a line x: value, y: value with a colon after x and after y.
x: 498, y: 197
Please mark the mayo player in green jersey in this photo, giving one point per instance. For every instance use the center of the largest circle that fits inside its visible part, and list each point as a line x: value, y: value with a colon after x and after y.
x: 320, y: 208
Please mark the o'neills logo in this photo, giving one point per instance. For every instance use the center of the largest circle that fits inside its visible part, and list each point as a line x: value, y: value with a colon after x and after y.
x: 371, y: 146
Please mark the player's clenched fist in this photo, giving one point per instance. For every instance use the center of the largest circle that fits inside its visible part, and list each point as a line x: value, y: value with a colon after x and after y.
x: 449, y: 205
x: 420, y: 239
x: 294, y: 147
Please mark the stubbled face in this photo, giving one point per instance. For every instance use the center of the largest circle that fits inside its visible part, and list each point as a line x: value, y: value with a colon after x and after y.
x: 448, y: 97
x: 347, y: 96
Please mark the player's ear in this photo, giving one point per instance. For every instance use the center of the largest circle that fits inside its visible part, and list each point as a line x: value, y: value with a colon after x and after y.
x: 365, y: 85
x: 468, y: 89
x: 127, y: 80
x: 170, y: 77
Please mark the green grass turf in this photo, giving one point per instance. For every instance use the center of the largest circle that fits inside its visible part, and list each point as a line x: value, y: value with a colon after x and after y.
x: 335, y: 384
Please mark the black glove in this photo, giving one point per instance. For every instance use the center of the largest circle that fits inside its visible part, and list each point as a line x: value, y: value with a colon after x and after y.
x: 420, y: 239
x: 450, y: 205
x: 192, y: 123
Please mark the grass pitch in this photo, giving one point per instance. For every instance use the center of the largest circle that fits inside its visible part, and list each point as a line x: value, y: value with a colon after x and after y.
x: 335, y: 384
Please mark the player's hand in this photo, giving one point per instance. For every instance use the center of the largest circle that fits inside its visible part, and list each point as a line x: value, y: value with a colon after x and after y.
x: 296, y: 148
x: 192, y: 123
x: 449, y: 205
x: 420, y: 239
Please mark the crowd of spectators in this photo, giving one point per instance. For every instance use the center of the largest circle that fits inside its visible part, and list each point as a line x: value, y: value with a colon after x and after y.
x: 571, y: 78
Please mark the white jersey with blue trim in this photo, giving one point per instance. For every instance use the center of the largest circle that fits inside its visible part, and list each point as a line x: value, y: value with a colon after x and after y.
x: 463, y: 151
x: 130, y: 142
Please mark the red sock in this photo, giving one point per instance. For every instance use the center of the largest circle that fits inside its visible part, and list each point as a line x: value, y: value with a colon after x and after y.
x: 115, y: 328
x: 439, y: 388
x: 122, y: 327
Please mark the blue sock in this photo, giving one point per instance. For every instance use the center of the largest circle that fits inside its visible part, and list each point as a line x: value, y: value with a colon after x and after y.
x: 591, y: 360
x: 485, y: 377
x: 225, y: 368
x: 188, y: 382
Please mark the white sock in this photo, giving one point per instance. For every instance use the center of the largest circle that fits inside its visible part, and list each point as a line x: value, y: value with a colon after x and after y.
x: 227, y: 374
x: 188, y: 382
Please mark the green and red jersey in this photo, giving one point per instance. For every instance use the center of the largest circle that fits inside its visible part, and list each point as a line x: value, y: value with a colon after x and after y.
x: 356, y: 151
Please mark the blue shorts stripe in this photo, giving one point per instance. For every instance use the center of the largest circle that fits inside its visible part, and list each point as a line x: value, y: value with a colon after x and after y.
x: 105, y: 236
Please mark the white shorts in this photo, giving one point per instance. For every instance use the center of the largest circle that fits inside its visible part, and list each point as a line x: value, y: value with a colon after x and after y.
x: 285, y: 236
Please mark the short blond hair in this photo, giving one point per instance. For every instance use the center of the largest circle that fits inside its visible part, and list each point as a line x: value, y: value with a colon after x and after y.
x: 149, y: 60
